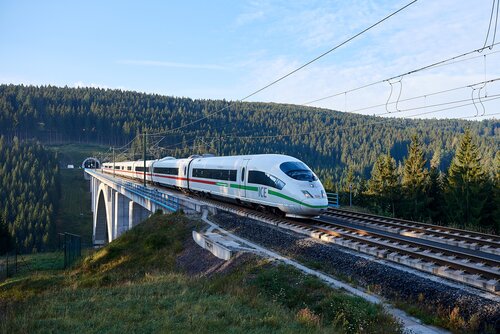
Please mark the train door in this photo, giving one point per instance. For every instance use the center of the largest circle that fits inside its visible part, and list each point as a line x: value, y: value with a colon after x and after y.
x: 181, y: 177
x: 242, y: 182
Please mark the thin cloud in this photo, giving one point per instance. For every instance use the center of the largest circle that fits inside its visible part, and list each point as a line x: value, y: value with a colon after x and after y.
x: 406, y: 42
x: 156, y: 63
x: 247, y: 18
x: 255, y: 10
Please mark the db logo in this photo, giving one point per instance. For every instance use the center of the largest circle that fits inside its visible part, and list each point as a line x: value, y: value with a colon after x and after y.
x: 262, y: 192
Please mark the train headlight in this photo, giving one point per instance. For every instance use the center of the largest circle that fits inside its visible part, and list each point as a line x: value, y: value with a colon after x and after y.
x: 323, y: 195
x: 307, y: 194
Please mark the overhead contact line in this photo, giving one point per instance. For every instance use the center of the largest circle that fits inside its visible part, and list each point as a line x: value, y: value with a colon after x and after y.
x: 435, y: 64
x: 295, y: 70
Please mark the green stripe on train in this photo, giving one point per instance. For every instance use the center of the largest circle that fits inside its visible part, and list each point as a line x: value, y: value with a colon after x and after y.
x: 291, y: 199
x: 275, y: 193
x: 237, y: 186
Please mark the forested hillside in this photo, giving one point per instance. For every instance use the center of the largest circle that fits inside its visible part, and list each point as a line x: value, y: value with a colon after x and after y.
x: 29, y: 192
x: 394, y: 166
x: 328, y: 141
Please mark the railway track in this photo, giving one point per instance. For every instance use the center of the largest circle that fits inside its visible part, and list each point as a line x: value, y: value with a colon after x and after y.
x: 460, y: 238
x: 471, y: 268
x: 461, y: 261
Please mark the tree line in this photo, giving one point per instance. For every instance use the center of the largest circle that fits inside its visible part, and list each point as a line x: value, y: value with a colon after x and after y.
x: 327, y: 140
x: 342, y: 148
x: 29, y: 194
x: 466, y: 195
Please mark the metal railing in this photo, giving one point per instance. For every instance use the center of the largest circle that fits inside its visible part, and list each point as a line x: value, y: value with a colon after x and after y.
x: 71, y: 244
x: 333, y: 200
x: 8, y: 265
x: 170, y: 203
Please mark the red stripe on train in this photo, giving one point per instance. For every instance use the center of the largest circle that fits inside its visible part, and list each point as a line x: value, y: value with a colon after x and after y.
x: 164, y: 176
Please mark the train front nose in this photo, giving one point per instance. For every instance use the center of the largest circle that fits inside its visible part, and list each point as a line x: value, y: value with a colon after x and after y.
x: 315, y: 206
x: 313, y: 200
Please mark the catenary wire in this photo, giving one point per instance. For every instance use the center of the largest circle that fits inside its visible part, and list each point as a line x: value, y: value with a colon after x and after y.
x: 297, y: 69
x: 423, y: 96
x: 490, y: 98
x: 489, y: 25
x: 436, y: 64
x: 230, y: 135
x: 433, y: 65
x: 185, y: 142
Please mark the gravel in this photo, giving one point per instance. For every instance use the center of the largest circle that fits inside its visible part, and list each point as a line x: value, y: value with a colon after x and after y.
x: 197, y: 262
x: 389, y: 282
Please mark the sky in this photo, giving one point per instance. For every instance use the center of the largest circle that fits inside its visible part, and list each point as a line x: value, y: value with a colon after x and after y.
x: 230, y: 49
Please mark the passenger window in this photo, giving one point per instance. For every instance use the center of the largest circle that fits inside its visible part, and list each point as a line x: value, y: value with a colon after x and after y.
x: 243, y: 174
x: 185, y: 170
x: 265, y: 179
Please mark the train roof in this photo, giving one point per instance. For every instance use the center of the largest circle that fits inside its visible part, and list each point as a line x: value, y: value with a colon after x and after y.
x: 255, y: 157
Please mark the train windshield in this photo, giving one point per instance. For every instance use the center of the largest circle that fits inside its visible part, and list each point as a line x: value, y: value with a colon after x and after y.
x: 298, y: 171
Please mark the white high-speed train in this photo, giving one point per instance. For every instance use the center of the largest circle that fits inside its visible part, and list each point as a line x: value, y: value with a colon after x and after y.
x: 272, y: 181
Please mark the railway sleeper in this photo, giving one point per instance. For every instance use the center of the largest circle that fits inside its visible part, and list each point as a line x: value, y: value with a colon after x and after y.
x: 346, y: 239
x: 406, y: 230
x: 461, y: 276
x: 403, y: 230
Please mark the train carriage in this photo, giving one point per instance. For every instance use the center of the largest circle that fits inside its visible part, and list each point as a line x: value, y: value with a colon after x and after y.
x: 266, y: 180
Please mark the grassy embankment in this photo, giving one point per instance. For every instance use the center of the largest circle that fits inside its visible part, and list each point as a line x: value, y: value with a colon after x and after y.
x: 153, y: 279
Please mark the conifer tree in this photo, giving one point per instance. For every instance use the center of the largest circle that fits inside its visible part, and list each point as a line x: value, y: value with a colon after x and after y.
x: 28, y: 193
x: 415, y: 181
x: 349, y: 180
x: 435, y: 190
x: 465, y: 188
x: 384, y: 183
x: 328, y: 184
x: 496, y: 193
x: 362, y: 190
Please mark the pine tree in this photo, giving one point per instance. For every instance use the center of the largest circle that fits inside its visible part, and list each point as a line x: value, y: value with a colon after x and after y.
x: 436, y: 204
x: 415, y: 181
x: 349, y: 180
x: 496, y: 193
x: 384, y: 183
x: 465, y: 189
x: 328, y: 184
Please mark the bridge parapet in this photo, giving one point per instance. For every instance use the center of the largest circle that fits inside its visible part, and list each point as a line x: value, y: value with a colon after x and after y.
x: 162, y: 199
x: 118, y: 205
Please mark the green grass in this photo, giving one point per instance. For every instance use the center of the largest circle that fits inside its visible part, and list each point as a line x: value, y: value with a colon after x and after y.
x: 314, y: 303
x: 75, y: 215
x: 134, y: 285
x: 41, y: 262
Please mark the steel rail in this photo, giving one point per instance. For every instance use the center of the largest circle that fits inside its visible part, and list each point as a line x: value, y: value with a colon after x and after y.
x: 456, y: 264
x: 422, y: 247
x: 415, y: 255
x: 443, y: 231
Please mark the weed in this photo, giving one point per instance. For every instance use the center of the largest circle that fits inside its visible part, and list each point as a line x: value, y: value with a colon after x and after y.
x: 307, y: 317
